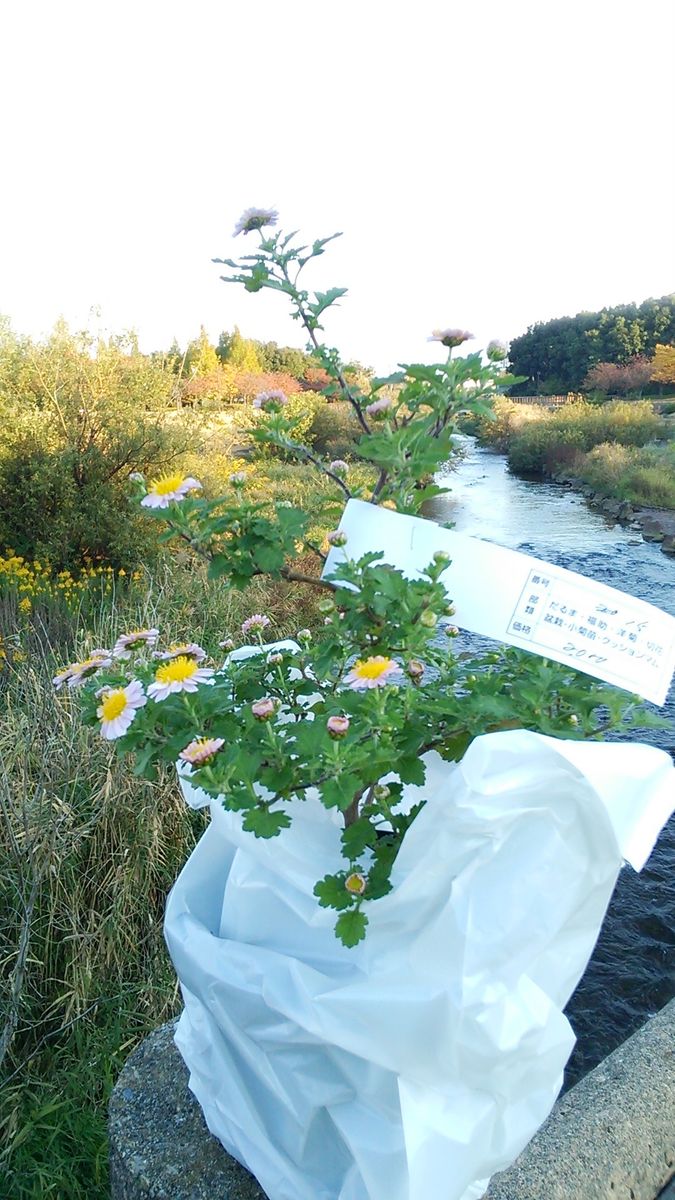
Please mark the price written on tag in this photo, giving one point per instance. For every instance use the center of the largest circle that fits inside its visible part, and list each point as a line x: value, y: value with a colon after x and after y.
x: 524, y: 602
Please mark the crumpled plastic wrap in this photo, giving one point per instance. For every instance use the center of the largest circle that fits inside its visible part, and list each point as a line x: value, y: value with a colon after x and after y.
x: 419, y: 1063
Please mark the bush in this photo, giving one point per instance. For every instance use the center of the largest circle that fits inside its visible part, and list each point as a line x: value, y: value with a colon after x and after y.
x: 547, y: 441
x: 642, y: 475
x: 335, y: 430
x: 76, y: 419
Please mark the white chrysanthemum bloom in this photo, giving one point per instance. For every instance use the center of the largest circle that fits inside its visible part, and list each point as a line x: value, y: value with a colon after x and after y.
x: 270, y: 401
x: 189, y: 649
x: 372, y: 673
x: 138, y: 638
x: 169, y: 489
x: 180, y: 675
x: 77, y: 672
x: 118, y: 708
x: 379, y: 407
x: 201, y: 751
x: 255, y: 624
x: 450, y: 337
x: 255, y: 218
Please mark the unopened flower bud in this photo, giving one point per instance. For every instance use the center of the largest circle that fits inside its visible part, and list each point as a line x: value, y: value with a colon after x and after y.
x: 264, y: 710
x: 415, y: 668
x: 238, y: 479
x: 381, y: 791
x: 496, y: 351
x: 136, y: 477
x: 337, y: 726
x: 449, y: 610
x: 573, y: 719
x: 442, y: 559
x: 428, y: 619
x: 226, y: 644
x: 451, y: 631
x: 326, y: 605
x: 274, y: 659
x: 304, y: 635
x: 356, y: 883
x: 338, y: 466
x: 337, y: 538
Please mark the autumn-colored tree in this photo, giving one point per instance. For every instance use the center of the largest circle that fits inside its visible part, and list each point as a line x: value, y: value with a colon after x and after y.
x: 663, y: 364
x: 242, y: 354
x: 201, y: 357
x: 619, y: 379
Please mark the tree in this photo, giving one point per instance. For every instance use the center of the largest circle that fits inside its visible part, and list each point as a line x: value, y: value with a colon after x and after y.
x: 663, y: 364
x: 619, y: 378
x: 242, y: 354
x: 201, y: 357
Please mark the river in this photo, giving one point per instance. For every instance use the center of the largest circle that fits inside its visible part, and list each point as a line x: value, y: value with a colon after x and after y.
x: 632, y: 971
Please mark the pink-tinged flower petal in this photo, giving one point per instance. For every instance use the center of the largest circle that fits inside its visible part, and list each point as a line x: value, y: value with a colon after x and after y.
x: 201, y: 750
x: 373, y: 672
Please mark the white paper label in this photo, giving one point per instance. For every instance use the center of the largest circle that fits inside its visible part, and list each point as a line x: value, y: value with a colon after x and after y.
x: 525, y: 602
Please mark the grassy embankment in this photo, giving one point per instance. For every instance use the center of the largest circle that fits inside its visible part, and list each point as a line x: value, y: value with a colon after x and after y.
x: 623, y: 450
x: 88, y: 852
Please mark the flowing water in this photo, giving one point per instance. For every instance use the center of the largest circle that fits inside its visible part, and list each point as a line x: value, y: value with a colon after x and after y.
x: 632, y: 971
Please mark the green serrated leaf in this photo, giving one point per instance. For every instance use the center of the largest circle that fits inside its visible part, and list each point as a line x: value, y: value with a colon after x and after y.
x: 350, y: 927
x: 332, y: 893
x: 357, y: 837
x: 265, y: 823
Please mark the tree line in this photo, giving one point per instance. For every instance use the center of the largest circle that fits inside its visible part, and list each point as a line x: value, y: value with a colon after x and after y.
x: 562, y: 355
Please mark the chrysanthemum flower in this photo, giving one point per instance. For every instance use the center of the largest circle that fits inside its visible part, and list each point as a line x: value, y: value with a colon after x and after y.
x: 371, y: 672
x: 118, y: 708
x: 379, y: 407
x: 255, y: 218
x: 338, y: 466
x: 182, y: 674
x: 255, y: 624
x: 337, y: 726
x: 415, y: 668
x: 135, y: 640
x: 169, y: 489
x: 270, y: 401
x: 496, y: 351
x: 201, y: 751
x: 264, y: 709
x: 450, y: 337
x: 77, y: 672
x: 189, y: 649
x: 356, y: 883
x: 226, y: 644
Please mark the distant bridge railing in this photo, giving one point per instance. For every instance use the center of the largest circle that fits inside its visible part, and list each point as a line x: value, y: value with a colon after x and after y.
x: 546, y: 401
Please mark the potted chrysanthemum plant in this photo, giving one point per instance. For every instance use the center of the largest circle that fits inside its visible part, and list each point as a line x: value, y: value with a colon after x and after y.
x: 330, y: 761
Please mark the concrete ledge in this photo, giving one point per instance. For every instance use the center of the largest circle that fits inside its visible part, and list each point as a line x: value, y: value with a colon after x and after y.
x: 612, y: 1137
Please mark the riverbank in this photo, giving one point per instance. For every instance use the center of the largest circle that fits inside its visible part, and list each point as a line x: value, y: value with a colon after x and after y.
x: 620, y: 456
x: 654, y: 524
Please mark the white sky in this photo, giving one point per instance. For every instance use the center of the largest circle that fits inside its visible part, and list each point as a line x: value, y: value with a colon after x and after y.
x: 490, y: 163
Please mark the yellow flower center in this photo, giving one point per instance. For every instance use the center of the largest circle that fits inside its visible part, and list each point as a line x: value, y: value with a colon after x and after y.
x: 165, y: 484
x: 113, y: 704
x: 176, y: 671
x: 372, y: 668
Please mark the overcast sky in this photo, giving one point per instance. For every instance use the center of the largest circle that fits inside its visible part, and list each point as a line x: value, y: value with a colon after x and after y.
x: 490, y: 163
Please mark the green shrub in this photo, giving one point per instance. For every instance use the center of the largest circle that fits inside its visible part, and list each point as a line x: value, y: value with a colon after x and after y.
x: 335, y: 430
x: 76, y: 418
x: 547, y: 441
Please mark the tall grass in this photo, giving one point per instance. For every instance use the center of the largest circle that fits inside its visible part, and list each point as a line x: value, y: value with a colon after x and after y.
x: 88, y: 854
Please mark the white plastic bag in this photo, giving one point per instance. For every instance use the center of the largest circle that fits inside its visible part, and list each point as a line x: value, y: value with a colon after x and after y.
x: 417, y: 1064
